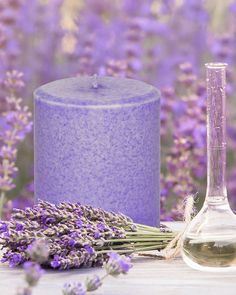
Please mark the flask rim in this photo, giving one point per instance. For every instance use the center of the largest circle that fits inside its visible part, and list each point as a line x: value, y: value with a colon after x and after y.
x: 216, y: 65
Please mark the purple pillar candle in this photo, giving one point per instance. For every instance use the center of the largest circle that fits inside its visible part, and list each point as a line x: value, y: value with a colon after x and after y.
x: 97, y: 142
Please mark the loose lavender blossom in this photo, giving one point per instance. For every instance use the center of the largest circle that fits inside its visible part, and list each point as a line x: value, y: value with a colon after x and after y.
x: 93, y: 283
x: 115, y: 266
x: 33, y: 273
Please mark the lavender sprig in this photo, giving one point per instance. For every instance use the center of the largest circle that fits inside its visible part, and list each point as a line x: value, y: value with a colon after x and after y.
x: 115, y: 266
x: 186, y: 159
x: 76, y: 235
x: 17, y: 123
x: 38, y: 253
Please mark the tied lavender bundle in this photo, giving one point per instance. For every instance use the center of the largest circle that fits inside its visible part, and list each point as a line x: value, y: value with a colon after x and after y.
x: 76, y: 235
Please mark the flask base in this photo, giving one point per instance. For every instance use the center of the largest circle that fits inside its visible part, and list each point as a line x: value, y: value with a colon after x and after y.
x: 200, y: 267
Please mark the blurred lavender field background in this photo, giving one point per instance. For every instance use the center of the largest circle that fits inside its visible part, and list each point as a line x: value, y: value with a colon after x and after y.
x: 164, y: 43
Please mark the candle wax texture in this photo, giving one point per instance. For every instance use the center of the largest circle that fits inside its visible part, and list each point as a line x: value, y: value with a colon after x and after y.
x: 99, y: 146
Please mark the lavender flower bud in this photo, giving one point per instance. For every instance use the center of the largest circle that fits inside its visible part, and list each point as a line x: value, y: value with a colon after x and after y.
x: 186, y: 68
x: 89, y: 249
x: 14, y: 80
x: 74, y: 288
x: 55, y: 263
x: 14, y: 259
x: 93, y: 283
x: 117, y: 264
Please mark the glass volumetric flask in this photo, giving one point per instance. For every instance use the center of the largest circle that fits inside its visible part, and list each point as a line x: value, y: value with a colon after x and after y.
x: 209, y: 242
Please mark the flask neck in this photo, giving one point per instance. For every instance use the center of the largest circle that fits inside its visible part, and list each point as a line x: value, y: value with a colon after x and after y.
x: 216, y: 132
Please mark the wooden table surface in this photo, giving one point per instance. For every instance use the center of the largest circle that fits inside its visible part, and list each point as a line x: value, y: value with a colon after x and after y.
x: 147, y: 277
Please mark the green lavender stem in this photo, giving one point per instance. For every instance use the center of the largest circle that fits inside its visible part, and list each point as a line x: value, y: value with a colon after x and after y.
x: 130, y: 251
x: 147, y: 227
x: 137, y: 239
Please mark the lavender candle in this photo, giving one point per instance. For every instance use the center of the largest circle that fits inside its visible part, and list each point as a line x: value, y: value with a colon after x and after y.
x: 97, y: 142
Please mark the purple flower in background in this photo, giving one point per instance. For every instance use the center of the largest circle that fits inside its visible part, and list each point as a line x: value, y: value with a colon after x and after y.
x: 167, y: 6
x: 114, y: 68
x: 232, y: 7
x: 223, y: 47
x: 17, y: 120
x: 186, y: 160
x: 143, y: 39
x: 14, y: 82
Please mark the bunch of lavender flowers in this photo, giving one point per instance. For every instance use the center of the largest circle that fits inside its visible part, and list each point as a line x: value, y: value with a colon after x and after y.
x: 76, y: 235
x: 16, y: 123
